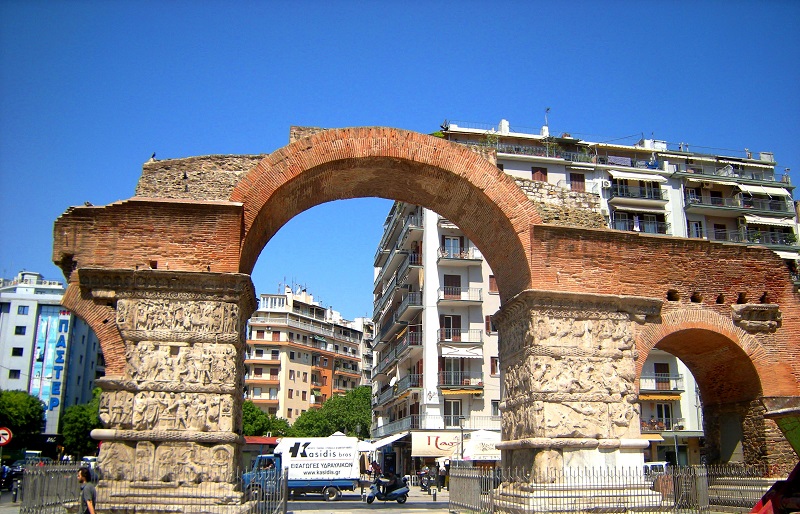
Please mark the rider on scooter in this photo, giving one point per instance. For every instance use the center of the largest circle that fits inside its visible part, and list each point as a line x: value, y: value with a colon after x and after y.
x: 389, y: 482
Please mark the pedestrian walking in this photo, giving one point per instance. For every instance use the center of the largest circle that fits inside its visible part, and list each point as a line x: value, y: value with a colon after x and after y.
x: 88, y: 492
x: 442, y: 475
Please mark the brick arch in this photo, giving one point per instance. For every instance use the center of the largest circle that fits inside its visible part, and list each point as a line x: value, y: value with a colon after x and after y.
x: 99, y: 318
x: 450, y: 179
x: 729, y: 364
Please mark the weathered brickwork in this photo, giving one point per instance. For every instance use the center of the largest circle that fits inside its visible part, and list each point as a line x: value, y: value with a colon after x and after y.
x: 210, y: 177
x: 559, y: 206
x: 730, y: 312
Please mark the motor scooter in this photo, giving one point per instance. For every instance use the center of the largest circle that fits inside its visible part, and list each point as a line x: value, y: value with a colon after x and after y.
x: 400, y: 494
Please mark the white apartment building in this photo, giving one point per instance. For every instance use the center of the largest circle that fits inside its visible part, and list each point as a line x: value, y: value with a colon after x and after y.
x: 436, y: 375
x: 45, y: 350
x: 299, y: 354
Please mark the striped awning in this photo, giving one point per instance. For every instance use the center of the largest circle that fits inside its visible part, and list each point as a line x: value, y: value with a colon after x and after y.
x: 652, y: 437
x: 643, y: 177
x: 659, y: 396
x: 451, y: 392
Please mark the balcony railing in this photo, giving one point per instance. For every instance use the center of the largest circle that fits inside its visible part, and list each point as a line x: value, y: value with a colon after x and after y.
x: 463, y: 294
x: 647, y: 227
x: 460, y: 378
x: 410, y: 300
x: 459, y: 335
x: 761, y: 175
x: 751, y: 236
x: 437, y: 422
x: 413, y: 259
x: 408, y: 382
x: 470, y: 253
x: 661, y: 382
x: 662, y: 424
x: 740, y: 202
x: 408, y: 339
x: 646, y: 193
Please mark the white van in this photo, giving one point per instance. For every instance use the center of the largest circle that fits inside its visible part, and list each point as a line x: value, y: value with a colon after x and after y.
x: 654, y: 469
x: 89, y: 462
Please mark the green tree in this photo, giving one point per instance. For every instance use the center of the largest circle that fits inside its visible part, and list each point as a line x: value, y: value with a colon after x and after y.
x: 257, y: 422
x: 23, y: 414
x: 77, y: 422
x: 350, y: 414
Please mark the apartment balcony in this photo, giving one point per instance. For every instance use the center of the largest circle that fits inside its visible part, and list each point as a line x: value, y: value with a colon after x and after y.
x: 644, y: 196
x: 262, y: 380
x: 251, y: 358
x: 347, y: 372
x: 736, y: 205
x: 384, y: 397
x: 411, y: 231
x: 408, y: 382
x: 459, y: 258
x: 656, y: 425
x: 409, y: 340
x: 409, y: 306
x: 459, y: 335
x: 751, y: 236
x: 471, y: 379
x: 437, y: 422
x: 645, y: 227
x: 691, y: 171
x: 413, y: 260
x: 263, y: 400
x: 661, y: 382
x: 455, y: 296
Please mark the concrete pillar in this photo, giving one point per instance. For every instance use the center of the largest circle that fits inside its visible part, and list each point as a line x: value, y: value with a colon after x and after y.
x: 172, y: 420
x: 568, y: 363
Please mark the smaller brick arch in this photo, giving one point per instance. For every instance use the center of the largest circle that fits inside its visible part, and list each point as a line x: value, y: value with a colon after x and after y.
x: 448, y: 178
x: 729, y: 364
x: 102, y: 320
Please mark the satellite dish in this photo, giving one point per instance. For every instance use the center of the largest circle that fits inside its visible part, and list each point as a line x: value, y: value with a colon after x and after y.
x: 393, y: 381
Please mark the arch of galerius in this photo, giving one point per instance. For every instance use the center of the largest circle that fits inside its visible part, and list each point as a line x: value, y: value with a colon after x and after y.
x: 163, y: 279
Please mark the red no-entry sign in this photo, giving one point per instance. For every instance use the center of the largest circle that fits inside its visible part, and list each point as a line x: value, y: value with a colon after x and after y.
x: 5, y: 436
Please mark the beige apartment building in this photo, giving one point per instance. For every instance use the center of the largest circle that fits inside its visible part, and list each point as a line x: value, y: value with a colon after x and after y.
x: 300, y: 353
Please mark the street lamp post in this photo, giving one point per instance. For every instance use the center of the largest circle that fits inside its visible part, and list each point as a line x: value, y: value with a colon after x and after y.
x: 461, y: 425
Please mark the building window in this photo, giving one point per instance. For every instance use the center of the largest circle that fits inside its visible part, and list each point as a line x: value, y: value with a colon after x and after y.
x: 257, y: 371
x: 696, y: 229
x: 19, y: 330
x: 16, y: 352
x: 291, y: 355
x: 305, y: 376
x: 291, y: 374
x: 577, y: 182
x: 495, y: 407
x: 324, y: 362
x: 256, y: 392
x: 452, y: 412
x: 291, y: 394
x: 22, y: 310
x: 259, y: 353
x: 495, y: 365
x: 276, y: 355
x: 305, y: 395
x: 493, y: 284
x: 288, y: 413
x: 276, y: 335
x: 272, y: 410
x: 538, y: 174
x: 490, y: 327
x: 13, y: 373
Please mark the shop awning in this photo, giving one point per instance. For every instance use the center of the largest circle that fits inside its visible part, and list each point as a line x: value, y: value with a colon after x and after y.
x: 320, y: 339
x: 386, y: 441
x: 435, y: 444
x: 645, y: 177
x: 469, y: 351
x: 766, y: 220
x: 652, y: 437
x: 788, y: 255
x: 776, y: 191
x: 659, y: 397
x: 703, y: 178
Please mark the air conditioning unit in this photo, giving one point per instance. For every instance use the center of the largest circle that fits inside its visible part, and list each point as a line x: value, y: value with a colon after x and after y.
x: 606, y: 184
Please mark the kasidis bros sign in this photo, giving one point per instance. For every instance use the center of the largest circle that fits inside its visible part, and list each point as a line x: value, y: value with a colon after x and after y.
x: 435, y: 444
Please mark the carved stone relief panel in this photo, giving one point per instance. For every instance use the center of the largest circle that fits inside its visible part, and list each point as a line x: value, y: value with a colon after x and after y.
x: 157, y: 314
x: 198, y: 364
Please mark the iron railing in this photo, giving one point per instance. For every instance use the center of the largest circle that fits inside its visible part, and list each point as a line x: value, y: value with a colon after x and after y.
x: 54, y: 489
x: 436, y: 422
x: 646, y: 193
x: 461, y: 378
x: 685, y: 489
x: 460, y: 335
x: 462, y: 294
x: 660, y: 382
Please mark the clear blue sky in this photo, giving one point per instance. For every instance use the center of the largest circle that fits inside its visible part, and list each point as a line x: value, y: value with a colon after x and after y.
x: 89, y: 89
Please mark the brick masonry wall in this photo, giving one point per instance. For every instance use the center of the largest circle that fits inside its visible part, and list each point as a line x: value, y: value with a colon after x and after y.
x: 208, y: 177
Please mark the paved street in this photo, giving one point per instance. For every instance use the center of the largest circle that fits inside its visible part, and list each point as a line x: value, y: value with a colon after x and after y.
x: 417, y: 503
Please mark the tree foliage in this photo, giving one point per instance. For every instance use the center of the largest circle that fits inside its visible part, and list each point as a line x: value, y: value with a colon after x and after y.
x: 257, y: 422
x: 350, y: 414
x: 23, y: 414
x: 77, y: 422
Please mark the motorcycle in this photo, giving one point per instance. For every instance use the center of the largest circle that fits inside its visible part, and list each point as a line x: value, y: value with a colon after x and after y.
x: 425, y: 481
x: 400, y: 494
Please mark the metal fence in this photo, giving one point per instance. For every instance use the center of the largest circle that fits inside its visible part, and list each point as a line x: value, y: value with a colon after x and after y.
x: 685, y: 489
x: 54, y: 489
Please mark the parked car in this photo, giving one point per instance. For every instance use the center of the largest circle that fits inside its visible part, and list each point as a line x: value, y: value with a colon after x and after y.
x: 652, y: 470
x: 89, y: 461
x: 18, y: 468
